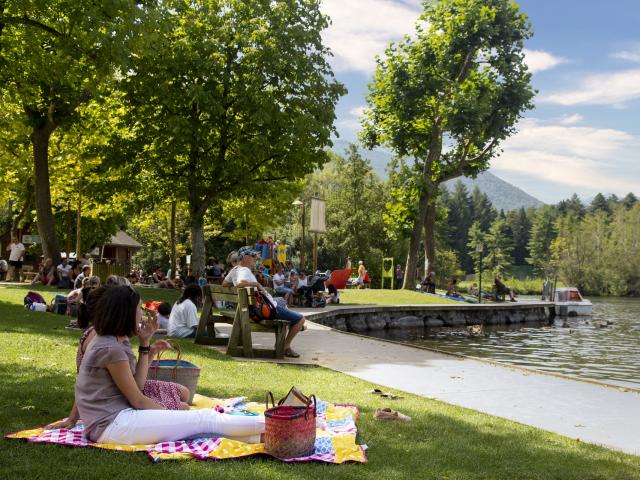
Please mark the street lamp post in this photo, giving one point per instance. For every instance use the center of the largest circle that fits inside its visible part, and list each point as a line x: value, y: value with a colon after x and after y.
x: 480, y: 250
x: 299, y: 203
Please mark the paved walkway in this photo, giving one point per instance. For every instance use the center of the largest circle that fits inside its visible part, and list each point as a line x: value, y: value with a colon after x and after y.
x: 591, y: 412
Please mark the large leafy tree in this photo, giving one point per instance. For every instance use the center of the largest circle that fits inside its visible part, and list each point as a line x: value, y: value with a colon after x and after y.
x: 233, y: 95
x: 53, y: 58
x: 448, y: 96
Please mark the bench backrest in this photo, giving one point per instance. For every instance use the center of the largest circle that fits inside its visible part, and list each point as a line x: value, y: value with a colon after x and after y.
x: 218, y: 293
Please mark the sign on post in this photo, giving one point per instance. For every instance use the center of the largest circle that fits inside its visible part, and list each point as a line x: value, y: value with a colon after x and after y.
x: 387, y: 271
x: 31, y: 239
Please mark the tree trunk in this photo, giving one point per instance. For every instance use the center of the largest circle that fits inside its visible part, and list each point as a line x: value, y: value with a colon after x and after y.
x: 197, y: 246
x: 430, y: 238
x: 414, y: 245
x: 427, y: 194
x: 172, y: 235
x: 46, y: 225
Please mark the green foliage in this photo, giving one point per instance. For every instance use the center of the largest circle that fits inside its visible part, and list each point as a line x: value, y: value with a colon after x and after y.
x: 498, y: 247
x: 520, y: 227
x: 460, y: 80
x: 54, y: 56
x: 38, y: 372
x: 227, y: 97
x: 461, y: 215
x: 600, y: 253
x: 352, y: 191
x: 542, y: 234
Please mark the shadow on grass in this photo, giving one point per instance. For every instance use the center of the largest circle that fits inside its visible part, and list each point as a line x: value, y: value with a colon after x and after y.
x: 433, y: 445
x: 36, y: 385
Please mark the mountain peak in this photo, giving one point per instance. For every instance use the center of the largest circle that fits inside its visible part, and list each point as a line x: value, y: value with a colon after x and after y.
x: 503, y: 195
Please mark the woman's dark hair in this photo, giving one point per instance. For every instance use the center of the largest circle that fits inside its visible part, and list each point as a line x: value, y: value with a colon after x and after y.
x: 332, y: 289
x: 87, y: 305
x: 164, y: 309
x: 192, y: 292
x: 115, y: 312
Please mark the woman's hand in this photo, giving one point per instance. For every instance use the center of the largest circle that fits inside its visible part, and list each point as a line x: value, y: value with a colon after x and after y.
x: 160, y: 346
x: 147, y: 327
x: 66, y: 423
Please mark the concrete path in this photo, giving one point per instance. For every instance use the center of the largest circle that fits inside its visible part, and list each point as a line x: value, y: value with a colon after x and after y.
x: 590, y: 412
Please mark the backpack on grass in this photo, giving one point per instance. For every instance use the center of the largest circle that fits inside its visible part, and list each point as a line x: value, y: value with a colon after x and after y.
x: 33, y: 297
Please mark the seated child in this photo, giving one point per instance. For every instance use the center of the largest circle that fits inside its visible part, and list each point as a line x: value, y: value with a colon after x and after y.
x: 164, y: 310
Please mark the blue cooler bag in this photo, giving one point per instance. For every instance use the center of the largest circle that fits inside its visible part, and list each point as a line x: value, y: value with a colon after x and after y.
x: 59, y: 303
x: 176, y: 371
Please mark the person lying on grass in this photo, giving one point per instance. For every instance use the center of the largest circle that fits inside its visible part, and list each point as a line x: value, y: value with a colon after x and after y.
x: 109, y: 395
x: 172, y: 396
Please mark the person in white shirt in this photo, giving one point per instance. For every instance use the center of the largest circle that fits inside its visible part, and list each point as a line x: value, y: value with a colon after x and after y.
x: 183, y: 320
x: 230, y: 278
x: 244, y: 277
x: 279, y: 281
x: 16, y: 256
x: 64, y: 274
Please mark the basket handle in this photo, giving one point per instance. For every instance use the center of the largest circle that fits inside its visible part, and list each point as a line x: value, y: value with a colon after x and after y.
x: 175, y: 347
x: 315, y: 406
x: 269, y: 395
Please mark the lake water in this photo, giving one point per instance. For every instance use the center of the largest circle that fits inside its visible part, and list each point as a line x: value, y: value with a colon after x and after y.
x: 574, y: 346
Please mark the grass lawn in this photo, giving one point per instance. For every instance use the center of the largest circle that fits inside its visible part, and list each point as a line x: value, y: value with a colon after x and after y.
x: 370, y: 296
x: 37, y: 372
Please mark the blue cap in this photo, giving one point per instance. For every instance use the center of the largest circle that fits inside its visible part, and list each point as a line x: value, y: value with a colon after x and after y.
x: 247, y: 250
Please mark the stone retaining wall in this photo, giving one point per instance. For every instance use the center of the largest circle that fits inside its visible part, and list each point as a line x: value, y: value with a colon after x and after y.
x: 371, y: 318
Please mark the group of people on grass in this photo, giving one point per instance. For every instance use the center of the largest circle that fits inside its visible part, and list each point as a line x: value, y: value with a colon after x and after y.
x: 428, y: 285
x: 113, y: 397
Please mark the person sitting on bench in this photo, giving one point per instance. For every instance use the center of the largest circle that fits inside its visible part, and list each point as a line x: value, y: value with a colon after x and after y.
x: 244, y: 277
x: 502, y: 289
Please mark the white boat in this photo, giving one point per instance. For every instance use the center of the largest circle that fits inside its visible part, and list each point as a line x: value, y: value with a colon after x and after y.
x: 569, y: 302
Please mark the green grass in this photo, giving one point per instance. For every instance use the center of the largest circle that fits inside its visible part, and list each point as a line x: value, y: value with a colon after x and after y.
x: 370, y: 296
x: 37, y: 372
x: 525, y: 286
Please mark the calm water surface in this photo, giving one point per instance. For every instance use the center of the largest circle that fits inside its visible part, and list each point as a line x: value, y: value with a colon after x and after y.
x: 575, y: 346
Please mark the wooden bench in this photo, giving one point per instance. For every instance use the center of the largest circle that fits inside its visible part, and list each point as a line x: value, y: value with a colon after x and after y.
x: 28, y: 275
x: 239, y: 343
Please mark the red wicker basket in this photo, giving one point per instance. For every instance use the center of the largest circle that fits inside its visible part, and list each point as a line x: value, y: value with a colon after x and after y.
x: 290, y: 431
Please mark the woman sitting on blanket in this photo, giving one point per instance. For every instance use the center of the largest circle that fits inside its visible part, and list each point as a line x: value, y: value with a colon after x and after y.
x: 109, y: 386
x: 172, y: 396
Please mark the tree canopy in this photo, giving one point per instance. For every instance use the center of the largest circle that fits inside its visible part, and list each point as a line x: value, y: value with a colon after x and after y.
x: 447, y: 96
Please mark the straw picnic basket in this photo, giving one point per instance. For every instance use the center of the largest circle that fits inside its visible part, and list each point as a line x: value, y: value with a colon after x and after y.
x: 177, y: 371
x: 290, y: 430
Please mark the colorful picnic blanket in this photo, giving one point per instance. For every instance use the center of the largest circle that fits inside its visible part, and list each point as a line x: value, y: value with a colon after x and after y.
x: 335, y: 439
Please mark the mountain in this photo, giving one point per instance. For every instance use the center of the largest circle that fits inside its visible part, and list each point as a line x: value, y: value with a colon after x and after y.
x: 503, y: 195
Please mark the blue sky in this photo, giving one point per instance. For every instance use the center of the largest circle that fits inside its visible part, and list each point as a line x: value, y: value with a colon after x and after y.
x: 582, y: 136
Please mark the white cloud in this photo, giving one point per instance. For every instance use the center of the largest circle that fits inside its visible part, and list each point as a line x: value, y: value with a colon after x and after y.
x: 628, y: 55
x: 362, y: 29
x: 573, y: 158
x: 613, y: 89
x: 539, y: 60
x: 571, y: 119
x: 357, y: 111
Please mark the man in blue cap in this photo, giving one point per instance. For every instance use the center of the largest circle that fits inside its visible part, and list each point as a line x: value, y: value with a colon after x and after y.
x: 244, y: 277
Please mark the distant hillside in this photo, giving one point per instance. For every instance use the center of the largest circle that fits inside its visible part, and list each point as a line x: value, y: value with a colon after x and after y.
x: 503, y: 195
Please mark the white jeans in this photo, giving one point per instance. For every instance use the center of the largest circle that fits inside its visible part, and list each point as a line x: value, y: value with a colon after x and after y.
x: 153, y: 426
